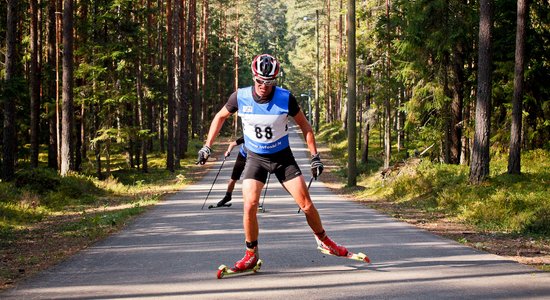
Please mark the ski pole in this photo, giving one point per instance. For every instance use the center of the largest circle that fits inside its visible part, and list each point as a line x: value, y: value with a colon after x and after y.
x: 265, y: 192
x: 215, y: 178
x: 308, y: 185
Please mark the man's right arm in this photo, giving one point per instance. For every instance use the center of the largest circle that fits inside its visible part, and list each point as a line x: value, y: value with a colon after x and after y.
x: 216, y: 126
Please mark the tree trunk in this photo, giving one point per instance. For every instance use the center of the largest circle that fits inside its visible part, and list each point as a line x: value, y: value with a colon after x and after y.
x: 188, y: 80
x: 151, y: 63
x: 465, y: 149
x: 479, y: 168
x: 171, y: 74
x: 400, y: 115
x: 9, y: 145
x: 387, y: 106
x: 328, y: 86
x: 141, y: 116
x: 162, y: 58
x: 195, y: 100
x: 365, y: 153
x: 78, y: 119
x: 58, y: 41
x: 457, y: 104
x: 49, y: 87
x: 236, y: 61
x: 340, y: 78
x: 352, y: 124
x: 179, y: 65
x: 98, y: 145
x: 446, y: 144
x: 34, y: 85
x: 514, y: 158
x: 317, y: 79
x: 204, y: 87
x: 67, y: 123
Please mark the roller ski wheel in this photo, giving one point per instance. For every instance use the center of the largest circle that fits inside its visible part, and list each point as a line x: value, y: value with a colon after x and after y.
x: 216, y: 206
x: 362, y: 257
x: 224, y: 270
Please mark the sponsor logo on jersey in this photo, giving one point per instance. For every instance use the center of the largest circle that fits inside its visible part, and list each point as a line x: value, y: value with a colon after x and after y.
x: 247, y: 109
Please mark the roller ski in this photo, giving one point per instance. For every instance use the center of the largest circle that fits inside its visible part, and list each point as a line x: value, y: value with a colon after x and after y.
x: 329, y: 247
x: 219, y: 206
x: 224, y: 270
x: 222, y: 203
x: 249, y: 263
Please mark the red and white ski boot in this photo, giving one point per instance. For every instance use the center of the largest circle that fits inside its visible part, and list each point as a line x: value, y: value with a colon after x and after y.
x: 249, y: 263
x: 328, y: 246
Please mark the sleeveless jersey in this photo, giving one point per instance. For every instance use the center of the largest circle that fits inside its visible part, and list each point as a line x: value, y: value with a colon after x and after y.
x: 242, y: 151
x: 265, y: 126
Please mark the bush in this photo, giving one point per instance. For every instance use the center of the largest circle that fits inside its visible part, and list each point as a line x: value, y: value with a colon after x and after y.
x: 77, y: 186
x: 38, y: 180
x: 8, y: 193
x: 72, y: 190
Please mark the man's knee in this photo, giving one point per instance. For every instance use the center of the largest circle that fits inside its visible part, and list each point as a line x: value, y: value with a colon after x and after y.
x: 307, y: 207
x: 251, y: 204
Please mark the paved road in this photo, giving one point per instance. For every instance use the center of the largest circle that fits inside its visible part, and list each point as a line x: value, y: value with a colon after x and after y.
x: 173, y: 251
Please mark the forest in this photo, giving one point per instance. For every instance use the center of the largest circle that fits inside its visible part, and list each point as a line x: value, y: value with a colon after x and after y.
x: 83, y: 80
x: 96, y: 90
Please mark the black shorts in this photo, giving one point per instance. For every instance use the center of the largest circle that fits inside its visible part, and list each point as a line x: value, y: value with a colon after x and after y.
x: 239, y: 166
x: 281, y: 163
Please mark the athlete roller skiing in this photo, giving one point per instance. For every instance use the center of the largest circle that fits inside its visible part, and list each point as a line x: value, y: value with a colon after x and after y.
x: 264, y: 110
x: 238, y: 169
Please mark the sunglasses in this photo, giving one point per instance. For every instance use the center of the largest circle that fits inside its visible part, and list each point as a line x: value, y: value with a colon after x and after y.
x: 270, y: 82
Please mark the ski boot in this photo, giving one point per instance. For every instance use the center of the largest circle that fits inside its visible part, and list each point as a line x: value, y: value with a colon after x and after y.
x: 328, y: 246
x: 249, y: 263
x: 223, y: 202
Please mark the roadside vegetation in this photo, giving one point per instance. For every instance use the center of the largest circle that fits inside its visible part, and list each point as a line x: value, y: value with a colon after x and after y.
x: 507, y: 215
x: 45, y: 217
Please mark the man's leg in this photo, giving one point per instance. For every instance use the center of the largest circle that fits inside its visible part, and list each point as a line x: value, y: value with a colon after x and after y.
x: 235, y: 175
x: 251, y: 195
x: 298, y: 190
x: 231, y: 186
x: 228, y: 194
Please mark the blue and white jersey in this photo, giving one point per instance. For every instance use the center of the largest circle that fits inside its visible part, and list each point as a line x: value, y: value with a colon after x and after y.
x: 242, y: 150
x: 265, y: 126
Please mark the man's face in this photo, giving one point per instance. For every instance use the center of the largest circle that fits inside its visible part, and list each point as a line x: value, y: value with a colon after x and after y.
x: 262, y: 89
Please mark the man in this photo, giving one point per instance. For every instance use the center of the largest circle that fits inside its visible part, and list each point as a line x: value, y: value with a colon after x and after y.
x: 264, y: 109
x: 238, y: 169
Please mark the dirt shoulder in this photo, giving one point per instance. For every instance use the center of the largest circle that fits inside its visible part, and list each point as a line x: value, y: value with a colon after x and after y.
x: 525, y: 250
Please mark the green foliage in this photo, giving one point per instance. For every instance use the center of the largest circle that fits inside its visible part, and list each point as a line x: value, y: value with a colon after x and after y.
x: 97, y: 224
x: 511, y: 203
x: 331, y: 133
x: 38, y: 180
x: 39, y: 193
x: 15, y: 214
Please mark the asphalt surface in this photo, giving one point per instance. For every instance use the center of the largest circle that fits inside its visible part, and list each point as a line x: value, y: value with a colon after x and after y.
x: 174, y: 250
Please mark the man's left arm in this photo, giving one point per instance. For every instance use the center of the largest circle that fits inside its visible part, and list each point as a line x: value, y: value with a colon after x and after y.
x: 309, y: 137
x: 316, y: 164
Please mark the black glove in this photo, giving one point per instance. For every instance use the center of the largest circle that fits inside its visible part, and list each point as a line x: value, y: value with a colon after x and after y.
x: 316, y: 166
x: 204, y: 153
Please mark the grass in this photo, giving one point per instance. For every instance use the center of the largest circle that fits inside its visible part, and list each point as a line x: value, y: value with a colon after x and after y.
x: 45, y: 217
x: 507, y: 215
x: 504, y: 203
